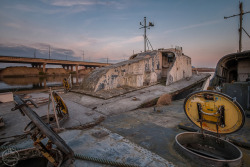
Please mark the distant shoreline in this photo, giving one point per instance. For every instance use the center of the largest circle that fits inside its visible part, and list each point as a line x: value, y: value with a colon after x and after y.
x: 204, y: 69
x: 11, y: 72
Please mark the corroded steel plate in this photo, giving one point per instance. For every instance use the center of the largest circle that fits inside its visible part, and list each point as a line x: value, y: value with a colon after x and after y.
x: 210, y: 102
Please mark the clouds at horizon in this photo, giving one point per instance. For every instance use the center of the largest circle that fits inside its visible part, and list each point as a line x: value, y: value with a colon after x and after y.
x: 110, y: 29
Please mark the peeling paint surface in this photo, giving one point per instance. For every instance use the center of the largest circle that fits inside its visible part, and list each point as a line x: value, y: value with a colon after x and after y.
x: 141, y: 70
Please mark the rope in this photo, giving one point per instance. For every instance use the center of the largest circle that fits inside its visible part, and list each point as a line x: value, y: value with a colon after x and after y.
x: 103, y: 161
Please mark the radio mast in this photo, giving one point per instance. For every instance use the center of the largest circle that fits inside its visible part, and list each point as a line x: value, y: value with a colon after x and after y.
x: 240, y: 28
x: 145, y: 26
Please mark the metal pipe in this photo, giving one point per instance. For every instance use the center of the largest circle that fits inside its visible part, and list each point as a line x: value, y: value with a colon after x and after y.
x: 145, y: 36
x: 48, y: 109
x: 54, y: 109
x: 240, y: 29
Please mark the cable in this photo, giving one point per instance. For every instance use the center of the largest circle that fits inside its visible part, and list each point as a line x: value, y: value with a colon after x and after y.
x: 150, y: 43
x: 246, y: 32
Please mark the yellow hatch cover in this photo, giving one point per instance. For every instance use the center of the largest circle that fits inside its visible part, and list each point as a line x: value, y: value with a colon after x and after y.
x: 66, y: 84
x: 214, y: 112
x: 60, y: 103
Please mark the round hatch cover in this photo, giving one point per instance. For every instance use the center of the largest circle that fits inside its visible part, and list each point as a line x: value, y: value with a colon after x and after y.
x: 214, y: 112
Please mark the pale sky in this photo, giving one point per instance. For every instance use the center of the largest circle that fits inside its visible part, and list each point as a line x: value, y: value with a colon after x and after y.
x: 110, y: 28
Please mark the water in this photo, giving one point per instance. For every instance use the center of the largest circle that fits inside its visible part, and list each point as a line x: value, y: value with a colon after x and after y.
x: 29, y: 83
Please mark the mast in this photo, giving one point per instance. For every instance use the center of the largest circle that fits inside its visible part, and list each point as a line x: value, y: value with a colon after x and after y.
x: 145, y: 36
x: 240, y: 28
x: 150, y: 24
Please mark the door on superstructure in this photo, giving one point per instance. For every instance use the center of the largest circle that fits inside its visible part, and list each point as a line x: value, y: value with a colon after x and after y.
x: 167, y: 59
